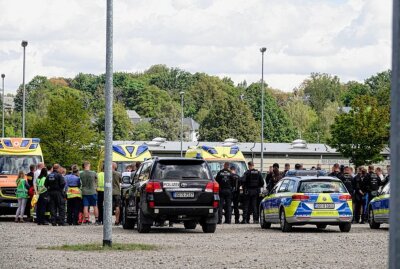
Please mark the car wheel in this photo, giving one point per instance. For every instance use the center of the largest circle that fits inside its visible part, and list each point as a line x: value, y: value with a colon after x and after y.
x: 371, y: 220
x: 321, y: 226
x: 285, y: 226
x: 141, y: 227
x: 190, y: 224
x: 209, y: 228
x: 345, y: 227
x: 126, y: 222
x: 263, y: 223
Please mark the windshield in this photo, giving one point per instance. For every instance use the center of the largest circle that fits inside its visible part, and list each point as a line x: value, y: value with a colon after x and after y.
x: 182, y: 170
x: 11, y: 165
x: 322, y: 187
x: 217, y: 166
x: 122, y: 166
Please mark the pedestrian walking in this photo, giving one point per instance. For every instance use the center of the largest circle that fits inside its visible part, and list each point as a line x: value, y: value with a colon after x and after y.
x: 74, y: 195
x: 89, y: 193
x: 252, y: 182
x: 224, y: 179
x: 43, y: 200
x: 22, y: 196
x: 55, y: 185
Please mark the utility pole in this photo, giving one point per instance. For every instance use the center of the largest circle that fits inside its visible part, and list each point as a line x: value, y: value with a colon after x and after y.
x: 182, y: 93
x: 394, y: 241
x: 3, y: 110
x: 262, y: 50
x: 23, y: 44
x: 107, y: 221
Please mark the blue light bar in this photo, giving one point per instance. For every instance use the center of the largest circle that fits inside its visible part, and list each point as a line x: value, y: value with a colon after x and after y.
x: 141, y: 149
x: 306, y: 173
x: 119, y: 150
x: 24, y: 143
x: 234, y: 150
x: 35, y: 140
x: 33, y: 146
x: 210, y: 150
x: 7, y: 142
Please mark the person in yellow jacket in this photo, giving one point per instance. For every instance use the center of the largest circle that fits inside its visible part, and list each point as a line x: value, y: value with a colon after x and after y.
x: 100, y: 193
x: 74, y: 195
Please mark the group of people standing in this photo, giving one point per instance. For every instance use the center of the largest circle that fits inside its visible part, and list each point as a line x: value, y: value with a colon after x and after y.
x: 229, y: 191
x: 55, y: 190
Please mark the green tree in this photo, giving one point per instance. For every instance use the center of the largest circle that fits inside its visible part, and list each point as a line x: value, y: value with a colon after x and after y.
x: 321, y: 88
x: 144, y: 131
x: 167, y: 121
x: 379, y: 86
x: 352, y: 90
x: 301, y: 115
x: 231, y: 118
x: 277, y: 126
x: 65, y: 132
x: 362, y: 134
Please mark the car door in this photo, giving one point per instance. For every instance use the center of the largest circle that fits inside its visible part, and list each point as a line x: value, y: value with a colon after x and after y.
x: 270, y: 204
x: 280, y: 198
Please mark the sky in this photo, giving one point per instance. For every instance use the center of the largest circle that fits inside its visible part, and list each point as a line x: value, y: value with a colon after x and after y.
x: 347, y: 38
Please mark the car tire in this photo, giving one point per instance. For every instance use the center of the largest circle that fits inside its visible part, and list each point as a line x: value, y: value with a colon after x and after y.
x: 190, y: 224
x: 285, y: 226
x: 209, y: 227
x: 345, y: 227
x: 141, y: 227
x: 263, y: 223
x: 127, y: 223
x: 321, y: 226
x: 371, y: 220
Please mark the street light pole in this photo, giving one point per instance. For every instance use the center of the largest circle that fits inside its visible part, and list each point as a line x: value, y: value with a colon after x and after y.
x: 394, y: 241
x: 182, y: 93
x: 107, y: 219
x: 2, y: 104
x: 23, y: 44
x: 262, y: 50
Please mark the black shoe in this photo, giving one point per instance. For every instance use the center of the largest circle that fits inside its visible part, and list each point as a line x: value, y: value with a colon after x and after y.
x: 45, y: 223
x: 243, y: 222
x: 54, y: 224
x: 362, y: 222
x: 227, y: 222
x: 63, y: 224
x: 237, y: 221
x: 256, y: 222
x: 219, y: 222
x: 97, y: 223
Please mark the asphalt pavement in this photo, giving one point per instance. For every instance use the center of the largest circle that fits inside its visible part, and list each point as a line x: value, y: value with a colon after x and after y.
x: 232, y: 246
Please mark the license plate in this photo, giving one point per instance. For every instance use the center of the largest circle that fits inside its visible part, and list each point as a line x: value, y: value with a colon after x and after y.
x: 183, y: 194
x: 324, y: 206
x: 170, y: 184
x: 13, y: 205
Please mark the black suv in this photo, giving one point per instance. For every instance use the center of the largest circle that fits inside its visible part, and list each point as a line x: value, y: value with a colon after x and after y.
x: 174, y: 189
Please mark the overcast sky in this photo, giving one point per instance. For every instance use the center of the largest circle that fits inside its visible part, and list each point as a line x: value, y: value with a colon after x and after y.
x: 348, y: 38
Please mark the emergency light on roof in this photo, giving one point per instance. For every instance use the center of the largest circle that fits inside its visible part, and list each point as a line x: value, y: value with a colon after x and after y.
x: 305, y: 173
x: 141, y: 149
x: 231, y: 140
x: 160, y: 139
x: 210, y: 150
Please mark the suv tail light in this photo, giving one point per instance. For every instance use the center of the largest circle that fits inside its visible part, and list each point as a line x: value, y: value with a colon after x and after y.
x: 345, y: 197
x: 212, y: 187
x: 153, y: 186
x: 300, y: 197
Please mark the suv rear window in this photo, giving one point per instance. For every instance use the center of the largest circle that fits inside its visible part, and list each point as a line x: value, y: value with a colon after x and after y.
x: 320, y: 186
x: 177, y: 169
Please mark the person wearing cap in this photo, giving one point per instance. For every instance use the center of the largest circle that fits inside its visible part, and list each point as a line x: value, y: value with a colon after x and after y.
x: 252, y: 182
x: 275, y: 177
x: 224, y: 179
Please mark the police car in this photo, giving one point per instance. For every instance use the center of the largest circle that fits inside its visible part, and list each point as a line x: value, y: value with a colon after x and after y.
x: 379, y: 208
x: 307, y: 197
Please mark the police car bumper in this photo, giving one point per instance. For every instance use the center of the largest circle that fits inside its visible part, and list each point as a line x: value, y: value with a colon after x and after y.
x: 302, y: 220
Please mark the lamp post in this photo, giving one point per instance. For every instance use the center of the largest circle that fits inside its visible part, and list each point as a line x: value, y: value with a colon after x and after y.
x: 2, y: 104
x: 262, y: 50
x: 107, y: 216
x: 23, y: 44
x: 181, y: 94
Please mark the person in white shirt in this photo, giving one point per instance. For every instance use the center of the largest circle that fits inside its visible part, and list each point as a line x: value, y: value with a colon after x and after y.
x: 36, y: 174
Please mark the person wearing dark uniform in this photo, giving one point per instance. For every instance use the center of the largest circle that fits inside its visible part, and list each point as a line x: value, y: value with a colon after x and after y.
x: 224, y: 179
x: 252, y: 182
x: 335, y: 171
x: 372, y: 184
x: 236, y: 193
x: 347, y: 180
x: 358, y: 188
x: 55, y: 185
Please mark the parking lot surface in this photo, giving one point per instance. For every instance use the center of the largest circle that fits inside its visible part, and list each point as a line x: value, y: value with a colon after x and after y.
x: 232, y: 246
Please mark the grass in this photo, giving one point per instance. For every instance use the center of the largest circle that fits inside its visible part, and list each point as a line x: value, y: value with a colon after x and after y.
x: 99, y: 247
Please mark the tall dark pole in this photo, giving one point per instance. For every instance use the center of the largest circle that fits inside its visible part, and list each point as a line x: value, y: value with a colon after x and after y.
x: 262, y: 108
x: 394, y: 241
x: 3, y: 110
x: 23, y: 44
x: 182, y: 93
x: 107, y: 219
